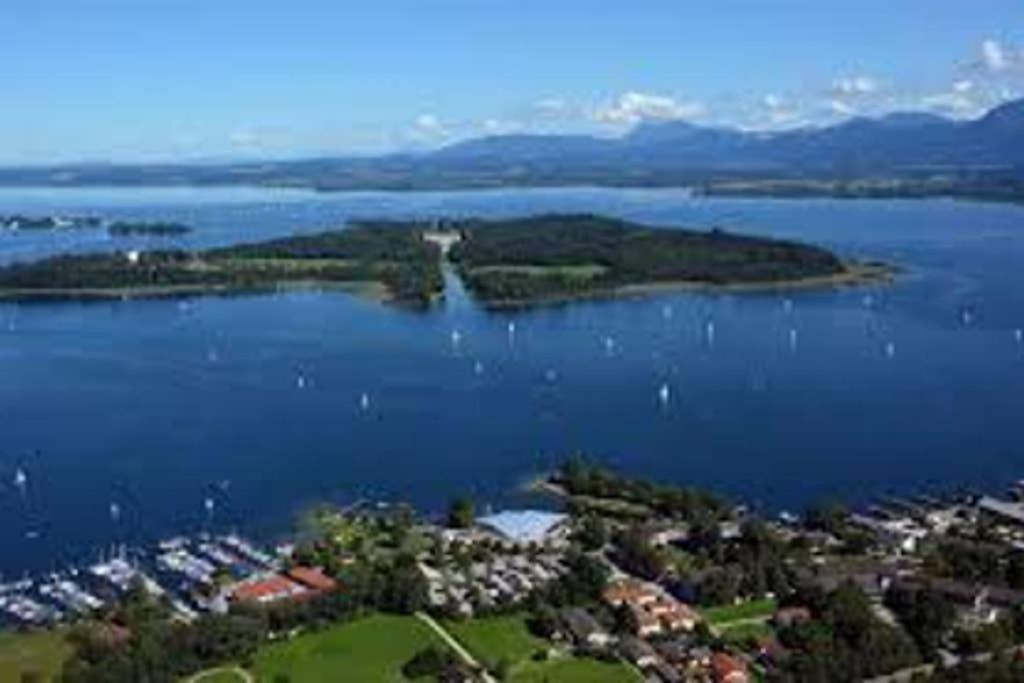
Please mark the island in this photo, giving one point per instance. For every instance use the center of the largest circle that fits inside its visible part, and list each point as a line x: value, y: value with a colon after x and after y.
x: 552, y: 258
x: 22, y: 222
x: 504, y: 263
x: 155, y: 228
x: 371, y: 258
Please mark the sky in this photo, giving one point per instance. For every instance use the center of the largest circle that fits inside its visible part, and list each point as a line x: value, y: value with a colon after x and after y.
x: 154, y: 80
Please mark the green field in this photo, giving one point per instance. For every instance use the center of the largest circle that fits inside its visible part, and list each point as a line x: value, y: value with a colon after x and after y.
x: 754, y: 609
x: 747, y: 630
x: 575, y: 670
x: 370, y: 649
x: 43, y: 653
x: 493, y: 639
x: 496, y: 638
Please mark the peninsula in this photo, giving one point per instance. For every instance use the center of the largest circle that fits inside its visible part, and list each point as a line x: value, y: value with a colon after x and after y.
x: 509, y: 262
x: 393, y: 264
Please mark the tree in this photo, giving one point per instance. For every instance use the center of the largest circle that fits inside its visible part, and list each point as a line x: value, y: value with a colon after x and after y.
x: 926, y: 614
x: 592, y: 533
x: 635, y: 553
x: 405, y: 588
x: 461, y: 513
x: 430, y: 662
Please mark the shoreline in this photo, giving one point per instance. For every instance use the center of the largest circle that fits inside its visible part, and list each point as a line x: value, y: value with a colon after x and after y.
x: 855, y: 274
x: 370, y: 290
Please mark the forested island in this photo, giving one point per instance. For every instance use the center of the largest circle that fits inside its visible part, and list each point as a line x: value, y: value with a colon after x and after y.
x: 561, y: 257
x: 155, y: 229
x: 23, y: 222
x: 393, y: 264
x: 509, y: 262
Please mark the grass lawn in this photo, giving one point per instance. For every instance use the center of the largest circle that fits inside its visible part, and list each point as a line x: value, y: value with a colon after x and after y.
x: 747, y: 630
x: 755, y: 609
x: 575, y: 670
x: 370, y: 649
x: 44, y: 652
x: 492, y: 639
x: 495, y: 638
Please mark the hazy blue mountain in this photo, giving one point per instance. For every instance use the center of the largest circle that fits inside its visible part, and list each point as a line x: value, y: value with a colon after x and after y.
x: 893, y: 142
x: 908, y: 144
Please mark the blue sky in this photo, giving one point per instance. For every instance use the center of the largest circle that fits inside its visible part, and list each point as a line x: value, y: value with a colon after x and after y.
x: 157, y: 79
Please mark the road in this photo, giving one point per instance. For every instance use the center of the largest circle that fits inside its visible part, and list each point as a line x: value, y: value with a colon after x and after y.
x: 462, y: 652
x: 242, y: 674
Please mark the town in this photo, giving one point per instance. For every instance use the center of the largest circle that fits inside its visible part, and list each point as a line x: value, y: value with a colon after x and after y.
x: 631, y: 580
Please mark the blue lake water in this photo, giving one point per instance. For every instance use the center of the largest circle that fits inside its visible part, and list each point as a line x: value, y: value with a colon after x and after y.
x: 254, y: 401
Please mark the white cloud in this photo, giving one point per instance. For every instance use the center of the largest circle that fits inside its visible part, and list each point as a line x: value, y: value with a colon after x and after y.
x: 428, y: 122
x: 500, y: 126
x: 964, y: 86
x: 551, y: 105
x: 426, y: 130
x: 841, y: 107
x: 953, y: 103
x: 633, y: 107
x: 854, y: 85
x: 994, y: 56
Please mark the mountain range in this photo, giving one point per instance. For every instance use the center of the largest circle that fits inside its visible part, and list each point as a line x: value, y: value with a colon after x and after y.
x: 909, y: 147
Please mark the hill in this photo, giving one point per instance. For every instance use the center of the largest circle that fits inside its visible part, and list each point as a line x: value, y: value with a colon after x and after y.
x: 909, y: 154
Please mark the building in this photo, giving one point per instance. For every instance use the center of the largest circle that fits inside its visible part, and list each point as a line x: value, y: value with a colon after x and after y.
x: 524, y: 526
x: 313, y: 578
x: 638, y: 652
x: 788, y: 616
x: 677, y: 616
x: 728, y: 669
x: 1002, y: 510
x: 645, y: 624
x: 629, y: 592
x: 584, y: 628
x: 267, y: 590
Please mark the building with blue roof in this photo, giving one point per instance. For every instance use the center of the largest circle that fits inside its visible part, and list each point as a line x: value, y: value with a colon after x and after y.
x: 524, y: 526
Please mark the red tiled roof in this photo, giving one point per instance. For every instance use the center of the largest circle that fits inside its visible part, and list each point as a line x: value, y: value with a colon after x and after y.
x: 313, y: 577
x: 267, y: 590
x: 727, y: 669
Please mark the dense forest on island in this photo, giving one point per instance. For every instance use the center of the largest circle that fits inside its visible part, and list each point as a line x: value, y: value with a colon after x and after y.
x: 397, y: 258
x: 562, y: 256
x: 519, y: 261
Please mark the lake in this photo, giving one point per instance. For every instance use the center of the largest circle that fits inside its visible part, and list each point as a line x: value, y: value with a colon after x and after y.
x: 126, y: 417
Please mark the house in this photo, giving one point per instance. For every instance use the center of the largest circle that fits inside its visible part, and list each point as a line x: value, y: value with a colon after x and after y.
x: 313, y: 578
x: 666, y: 673
x: 676, y: 616
x: 645, y: 624
x: 675, y: 651
x: 728, y: 669
x: 631, y: 592
x: 788, y: 616
x: 270, y: 589
x: 638, y: 652
x: 584, y: 628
